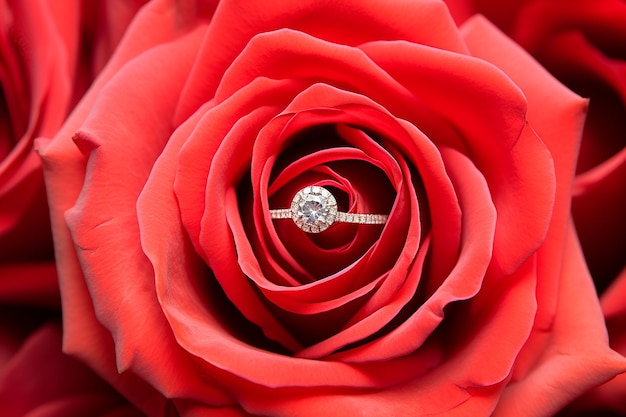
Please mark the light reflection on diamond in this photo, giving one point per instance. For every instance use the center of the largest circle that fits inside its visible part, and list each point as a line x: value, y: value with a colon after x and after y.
x: 314, y: 209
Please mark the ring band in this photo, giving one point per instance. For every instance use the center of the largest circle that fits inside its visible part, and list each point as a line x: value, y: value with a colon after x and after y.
x: 314, y: 209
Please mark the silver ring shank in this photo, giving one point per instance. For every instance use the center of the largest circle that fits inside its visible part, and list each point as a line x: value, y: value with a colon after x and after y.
x: 342, y: 217
x: 361, y: 218
x: 280, y: 214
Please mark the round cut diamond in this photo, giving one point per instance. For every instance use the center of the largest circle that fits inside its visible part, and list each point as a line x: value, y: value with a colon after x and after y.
x: 314, y: 209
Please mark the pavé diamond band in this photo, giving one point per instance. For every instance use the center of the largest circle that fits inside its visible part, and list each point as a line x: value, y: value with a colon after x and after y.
x: 314, y: 209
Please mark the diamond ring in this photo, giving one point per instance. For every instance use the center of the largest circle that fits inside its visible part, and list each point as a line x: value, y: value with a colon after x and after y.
x: 314, y: 209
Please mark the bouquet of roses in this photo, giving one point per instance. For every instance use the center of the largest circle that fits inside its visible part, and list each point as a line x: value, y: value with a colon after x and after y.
x: 312, y: 208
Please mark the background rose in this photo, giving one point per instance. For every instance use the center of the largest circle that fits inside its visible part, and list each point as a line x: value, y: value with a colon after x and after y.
x: 49, y: 52
x: 37, y: 379
x: 473, y: 299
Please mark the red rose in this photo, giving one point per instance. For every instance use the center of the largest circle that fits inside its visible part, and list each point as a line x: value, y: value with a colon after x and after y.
x: 49, y: 51
x: 37, y: 379
x: 472, y: 299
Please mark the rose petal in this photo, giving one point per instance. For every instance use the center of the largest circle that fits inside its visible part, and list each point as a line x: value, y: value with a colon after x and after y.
x: 570, y: 357
x: 94, y: 218
x: 349, y: 26
x: 462, y: 283
x: 66, y: 166
x: 562, y: 139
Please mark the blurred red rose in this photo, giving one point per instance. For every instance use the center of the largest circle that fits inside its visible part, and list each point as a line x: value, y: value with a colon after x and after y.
x: 473, y: 299
x: 49, y: 53
x: 37, y: 379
